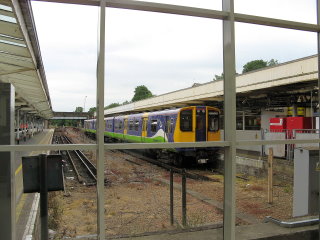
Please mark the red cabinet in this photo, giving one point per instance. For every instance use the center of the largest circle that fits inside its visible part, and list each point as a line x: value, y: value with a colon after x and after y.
x: 299, y: 123
x: 278, y: 124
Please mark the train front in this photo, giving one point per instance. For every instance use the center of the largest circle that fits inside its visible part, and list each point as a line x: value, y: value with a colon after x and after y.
x: 198, y: 124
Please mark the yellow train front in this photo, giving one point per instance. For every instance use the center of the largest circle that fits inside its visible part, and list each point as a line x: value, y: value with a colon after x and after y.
x: 197, y: 124
x: 187, y: 124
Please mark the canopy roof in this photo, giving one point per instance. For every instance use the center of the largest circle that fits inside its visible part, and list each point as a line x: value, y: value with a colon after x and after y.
x: 20, y: 58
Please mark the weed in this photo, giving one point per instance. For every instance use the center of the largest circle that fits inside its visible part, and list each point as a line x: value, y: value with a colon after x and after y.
x: 196, y: 219
x: 55, y: 211
x: 287, y: 189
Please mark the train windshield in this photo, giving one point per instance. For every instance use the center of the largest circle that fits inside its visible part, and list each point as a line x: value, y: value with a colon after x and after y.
x: 186, y: 120
x: 213, y: 120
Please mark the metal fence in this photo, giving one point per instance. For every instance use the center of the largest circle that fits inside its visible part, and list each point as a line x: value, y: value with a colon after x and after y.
x: 287, y: 150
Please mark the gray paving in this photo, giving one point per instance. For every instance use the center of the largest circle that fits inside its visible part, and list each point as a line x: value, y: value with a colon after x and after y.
x: 25, y: 201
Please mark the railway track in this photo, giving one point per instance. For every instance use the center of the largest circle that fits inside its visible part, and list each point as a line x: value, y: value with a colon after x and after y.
x: 84, y: 170
x: 191, y: 174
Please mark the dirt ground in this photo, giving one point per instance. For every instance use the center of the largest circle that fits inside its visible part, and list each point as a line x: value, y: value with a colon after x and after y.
x: 137, y: 199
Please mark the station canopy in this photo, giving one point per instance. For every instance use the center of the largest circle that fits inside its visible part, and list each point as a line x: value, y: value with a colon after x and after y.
x: 20, y: 58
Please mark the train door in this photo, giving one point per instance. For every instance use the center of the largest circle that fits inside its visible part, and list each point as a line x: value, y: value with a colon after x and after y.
x: 201, y: 124
x: 144, y: 128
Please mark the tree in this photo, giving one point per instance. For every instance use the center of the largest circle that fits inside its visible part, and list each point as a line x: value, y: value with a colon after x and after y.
x: 218, y: 77
x: 256, y: 64
x: 125, y: 102
x: 273, y: 62
x: 140, y: 93
x: 112, y: 105
x: 79, y: 109
x: 91, y: 111
x: 253, y: 65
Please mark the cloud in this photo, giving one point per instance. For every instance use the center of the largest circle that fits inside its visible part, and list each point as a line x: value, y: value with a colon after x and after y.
x: 165, y: 52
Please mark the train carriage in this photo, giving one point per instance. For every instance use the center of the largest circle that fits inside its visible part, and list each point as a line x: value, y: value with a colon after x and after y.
x: 187, y: 124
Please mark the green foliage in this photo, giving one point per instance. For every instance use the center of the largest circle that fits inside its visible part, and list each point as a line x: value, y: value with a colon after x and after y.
x: 253, y: 65
x: 140, y: 93
x: 273, y: 62
x: 112, y: 105
x: 92, y: 110
x: 126, y: 102
x: 256, y: 64
x: 79, y: 109
x: 218, y: 77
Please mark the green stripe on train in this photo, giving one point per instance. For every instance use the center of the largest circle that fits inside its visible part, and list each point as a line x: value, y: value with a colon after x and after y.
x: 130, y: 138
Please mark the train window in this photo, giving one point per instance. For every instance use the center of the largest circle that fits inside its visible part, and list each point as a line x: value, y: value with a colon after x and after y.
x: 116, y: 125
x: 154, y: 124
x: 120, y: 125
x: 136, y: 125
x: 131, y: 125
x: 252, y: 123
x: 186, y: 120
x: 213, y: 120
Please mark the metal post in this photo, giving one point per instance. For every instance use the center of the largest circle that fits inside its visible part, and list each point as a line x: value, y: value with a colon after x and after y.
x: 18, y: 126
x: 7, y: 169
x: 171, y: 197
x: 184, y: 199
x: 229, y: 120
x: 25, y: 127
x: 43, y: 196
x: 318, y: 41
x: 270, y: 176
x: 100, y: 124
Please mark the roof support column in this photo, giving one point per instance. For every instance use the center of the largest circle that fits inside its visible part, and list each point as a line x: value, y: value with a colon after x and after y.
x: 229, y: 120
x: 100, y: 123
x: 7, y: 161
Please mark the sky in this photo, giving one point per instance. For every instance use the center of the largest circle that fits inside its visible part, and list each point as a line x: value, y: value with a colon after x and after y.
x: 164, y: 52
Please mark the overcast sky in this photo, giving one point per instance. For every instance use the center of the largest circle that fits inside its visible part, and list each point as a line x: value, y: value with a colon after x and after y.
x: 161, y: 51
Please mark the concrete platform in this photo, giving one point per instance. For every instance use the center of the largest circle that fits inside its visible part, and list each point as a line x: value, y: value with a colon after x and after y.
x: 27, y: 204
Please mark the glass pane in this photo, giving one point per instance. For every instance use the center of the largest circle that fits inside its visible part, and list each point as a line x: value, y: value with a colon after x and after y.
x: 269, y: 177
x: 138, y: 193
x: 298, y: 10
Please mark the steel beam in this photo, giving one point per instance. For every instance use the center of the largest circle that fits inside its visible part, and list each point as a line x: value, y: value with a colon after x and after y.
x: 229, y: 69
x: 272, y: 22
x: 195, y: 12
x: 318, y: 53
x: 100, y: 122
x: 7, y: 170
x: 53, y: 147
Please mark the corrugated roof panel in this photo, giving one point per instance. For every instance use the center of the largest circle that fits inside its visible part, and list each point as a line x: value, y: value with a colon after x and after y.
x: 20, y: 61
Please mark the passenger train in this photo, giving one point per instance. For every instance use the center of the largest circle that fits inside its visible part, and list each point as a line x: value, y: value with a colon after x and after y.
x: 186, y: 124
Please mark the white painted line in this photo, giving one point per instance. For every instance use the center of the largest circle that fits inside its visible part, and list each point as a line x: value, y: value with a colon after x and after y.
x: 27, y: 235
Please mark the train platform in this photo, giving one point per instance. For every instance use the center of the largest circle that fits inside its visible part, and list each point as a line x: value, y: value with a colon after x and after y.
x: 27, y: 204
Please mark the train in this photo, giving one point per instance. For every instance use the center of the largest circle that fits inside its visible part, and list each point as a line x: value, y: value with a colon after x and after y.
x: 185, y: 124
